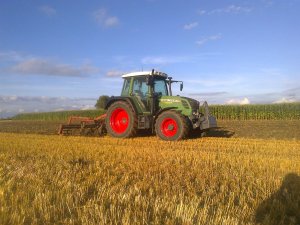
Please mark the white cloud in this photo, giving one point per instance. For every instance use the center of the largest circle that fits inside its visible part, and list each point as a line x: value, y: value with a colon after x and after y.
x: 114, y: 73
x: 104, y: 19
x: 86, y: 107
x: 271, y: 71
x: 209, y: 94
x: 268, y: 3
x: 207, y: 39
x: 38, y: 66
x: 59, y: 109
x: 163, y: 60
x: 230, y: 9
x: 244, y: 101
x: 190, y: 26
x: 201, y: 12
x: 212, y: 81
x: 11, y: 56
x: 8, y: 98
x: 111, y: 21
x: 47, y: 10
x: 233, y: 9
x: 285, y: 100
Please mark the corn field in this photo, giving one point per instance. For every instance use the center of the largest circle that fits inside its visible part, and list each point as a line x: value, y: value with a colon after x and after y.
x: 47, y: 179
x: 290, y: 111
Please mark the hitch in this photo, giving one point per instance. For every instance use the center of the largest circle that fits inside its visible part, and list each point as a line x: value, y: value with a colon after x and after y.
x: 208, y: 121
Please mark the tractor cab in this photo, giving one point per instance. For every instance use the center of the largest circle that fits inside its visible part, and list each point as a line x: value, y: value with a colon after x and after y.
x: 144, y: 86
x: 140, y: 84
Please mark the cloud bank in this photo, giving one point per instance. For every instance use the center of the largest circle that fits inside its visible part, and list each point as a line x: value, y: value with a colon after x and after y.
x: 244, y: 101
x: 21, y: 64
x: 38, y: 66
x: 12, y: 105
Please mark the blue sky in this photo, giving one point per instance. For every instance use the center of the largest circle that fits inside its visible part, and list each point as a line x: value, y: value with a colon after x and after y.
x: 58, y: 55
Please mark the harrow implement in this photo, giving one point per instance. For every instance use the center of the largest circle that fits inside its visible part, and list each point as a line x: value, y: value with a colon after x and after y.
x: 83, y: 126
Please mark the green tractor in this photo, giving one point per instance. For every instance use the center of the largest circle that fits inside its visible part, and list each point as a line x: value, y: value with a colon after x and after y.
x: 146, y: 103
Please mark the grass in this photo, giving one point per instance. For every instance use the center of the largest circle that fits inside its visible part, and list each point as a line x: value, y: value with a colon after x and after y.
x: 79, y: 180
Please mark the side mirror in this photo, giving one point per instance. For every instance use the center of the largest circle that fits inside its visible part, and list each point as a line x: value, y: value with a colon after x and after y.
x: 149, y: 80
x: 181, y: 86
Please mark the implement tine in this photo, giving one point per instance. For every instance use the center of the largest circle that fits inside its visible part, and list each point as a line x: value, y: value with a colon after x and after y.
x: 85, y: 125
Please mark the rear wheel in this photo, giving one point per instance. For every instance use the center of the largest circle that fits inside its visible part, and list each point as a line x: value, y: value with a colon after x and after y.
x: 171, y: 126
x: 121, y: 120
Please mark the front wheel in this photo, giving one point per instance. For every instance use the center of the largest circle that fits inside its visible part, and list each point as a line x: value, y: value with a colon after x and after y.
x: 171, y: 126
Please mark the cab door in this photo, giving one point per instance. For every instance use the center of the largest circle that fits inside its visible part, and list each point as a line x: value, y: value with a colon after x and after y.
x: 140, y: 92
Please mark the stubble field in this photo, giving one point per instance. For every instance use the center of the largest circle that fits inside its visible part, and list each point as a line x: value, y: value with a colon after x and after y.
x: 245, y: 172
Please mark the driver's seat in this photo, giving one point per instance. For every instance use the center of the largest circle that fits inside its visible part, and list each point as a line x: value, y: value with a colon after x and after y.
x: 139, y: 98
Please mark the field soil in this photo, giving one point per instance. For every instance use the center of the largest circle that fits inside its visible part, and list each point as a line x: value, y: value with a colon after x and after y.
x: 265, y: 129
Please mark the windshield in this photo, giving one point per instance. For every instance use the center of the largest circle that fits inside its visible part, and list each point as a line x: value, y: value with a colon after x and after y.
x: 126, y: 85
x: 160, y: 87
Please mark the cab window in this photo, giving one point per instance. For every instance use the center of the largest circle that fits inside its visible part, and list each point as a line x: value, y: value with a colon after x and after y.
x: 160, y: 87
x: 126, y: 85
x: 140, y: 88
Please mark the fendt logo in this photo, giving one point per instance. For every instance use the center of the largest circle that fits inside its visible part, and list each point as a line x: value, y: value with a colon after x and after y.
x: 168, y: 100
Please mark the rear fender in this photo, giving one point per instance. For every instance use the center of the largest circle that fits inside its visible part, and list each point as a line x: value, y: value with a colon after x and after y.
x: 120, y: 98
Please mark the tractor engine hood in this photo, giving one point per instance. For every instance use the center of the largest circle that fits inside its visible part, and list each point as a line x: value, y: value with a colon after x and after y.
x: 192, y: 102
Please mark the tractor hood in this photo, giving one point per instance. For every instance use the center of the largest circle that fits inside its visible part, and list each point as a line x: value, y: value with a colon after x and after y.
x: 186, y: 105
x: 194, y: 104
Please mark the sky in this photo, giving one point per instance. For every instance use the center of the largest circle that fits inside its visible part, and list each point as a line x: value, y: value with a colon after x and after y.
x: 60, y: 55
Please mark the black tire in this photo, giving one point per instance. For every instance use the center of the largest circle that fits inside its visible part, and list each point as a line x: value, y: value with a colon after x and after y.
x: 172, y: 126
x: 121, y: 126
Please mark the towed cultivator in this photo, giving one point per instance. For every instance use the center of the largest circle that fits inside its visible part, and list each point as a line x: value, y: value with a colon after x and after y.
x: 84, y: 126
x: 146, y: 103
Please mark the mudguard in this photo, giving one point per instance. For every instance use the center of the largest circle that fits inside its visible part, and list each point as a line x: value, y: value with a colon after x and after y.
x: 121, y: 98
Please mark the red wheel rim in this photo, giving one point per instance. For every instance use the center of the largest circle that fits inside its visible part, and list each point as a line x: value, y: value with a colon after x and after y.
x: 169, y: 127
x: 119, y: 120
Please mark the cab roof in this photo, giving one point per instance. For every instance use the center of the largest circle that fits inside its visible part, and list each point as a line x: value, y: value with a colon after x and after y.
x: 145, y: 73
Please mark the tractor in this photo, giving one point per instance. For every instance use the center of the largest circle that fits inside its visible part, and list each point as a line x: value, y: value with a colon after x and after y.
x: 146, y: 103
